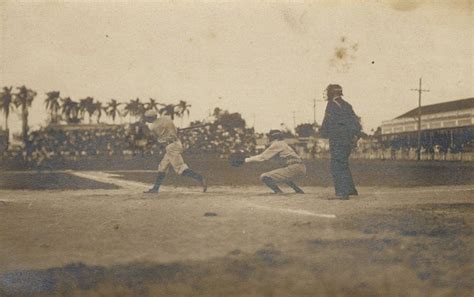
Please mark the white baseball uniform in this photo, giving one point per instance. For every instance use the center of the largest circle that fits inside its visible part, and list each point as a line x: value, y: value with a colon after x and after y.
x: 165, y: 130
x: 280, y: 150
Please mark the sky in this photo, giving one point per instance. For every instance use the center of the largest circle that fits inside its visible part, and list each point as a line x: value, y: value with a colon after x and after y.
x: 268, y: 61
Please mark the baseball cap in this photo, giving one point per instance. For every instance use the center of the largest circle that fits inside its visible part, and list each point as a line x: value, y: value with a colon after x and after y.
x: 151, y: 113
x: 273, y: 134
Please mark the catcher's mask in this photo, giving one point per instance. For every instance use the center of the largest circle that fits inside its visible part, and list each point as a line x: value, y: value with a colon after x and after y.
x: 275, y: 135
x: 332, y: 91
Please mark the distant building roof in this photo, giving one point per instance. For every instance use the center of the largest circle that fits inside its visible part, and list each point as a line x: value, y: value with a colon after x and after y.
x: 440, y: 107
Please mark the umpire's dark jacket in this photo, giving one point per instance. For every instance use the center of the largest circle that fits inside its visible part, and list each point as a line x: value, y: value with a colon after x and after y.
x: 341, y: 125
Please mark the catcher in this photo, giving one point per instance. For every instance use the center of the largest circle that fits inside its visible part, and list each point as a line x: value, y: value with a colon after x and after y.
x: 164, y: 129
x: 278, y: 150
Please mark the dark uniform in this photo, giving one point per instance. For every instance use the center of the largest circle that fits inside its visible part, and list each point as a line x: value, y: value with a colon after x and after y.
x: 341, y: 126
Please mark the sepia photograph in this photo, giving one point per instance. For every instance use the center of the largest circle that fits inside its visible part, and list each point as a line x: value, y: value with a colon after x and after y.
x: 237, y: 148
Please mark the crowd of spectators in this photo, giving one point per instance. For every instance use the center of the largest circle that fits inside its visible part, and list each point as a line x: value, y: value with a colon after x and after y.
x: 219, y: 140
x: 74, y: 143
x: 55, y: 144
x: 61, y: 144
x: 78, y: 142
x: 440, y: 147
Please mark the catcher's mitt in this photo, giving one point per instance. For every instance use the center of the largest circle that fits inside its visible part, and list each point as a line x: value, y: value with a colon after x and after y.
x: 237, y: 159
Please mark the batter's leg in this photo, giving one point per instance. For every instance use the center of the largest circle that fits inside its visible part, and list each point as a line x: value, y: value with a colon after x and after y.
x: 196, y: 176
x: 176, y: 159
x: 159, y: 180
x: 162, y: 169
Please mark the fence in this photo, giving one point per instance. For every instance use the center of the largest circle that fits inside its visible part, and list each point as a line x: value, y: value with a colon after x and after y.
x: 411, y: 155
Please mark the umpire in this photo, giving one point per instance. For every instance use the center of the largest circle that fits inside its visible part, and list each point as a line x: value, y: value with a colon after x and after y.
x: 342, y: 127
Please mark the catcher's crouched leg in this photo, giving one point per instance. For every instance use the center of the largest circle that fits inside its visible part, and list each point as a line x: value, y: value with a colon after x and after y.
x: 292, y: 185
x: 286, y: 175
x: 271, y: 183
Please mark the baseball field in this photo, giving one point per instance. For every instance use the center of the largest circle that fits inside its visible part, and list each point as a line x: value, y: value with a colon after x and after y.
x: 93, y: 233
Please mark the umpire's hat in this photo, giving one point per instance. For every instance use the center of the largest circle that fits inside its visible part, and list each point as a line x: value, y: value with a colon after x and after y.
x: 333, y: 90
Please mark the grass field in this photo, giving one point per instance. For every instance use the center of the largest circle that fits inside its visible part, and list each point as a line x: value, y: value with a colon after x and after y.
x: 374, y: 173
x: 96, y: 234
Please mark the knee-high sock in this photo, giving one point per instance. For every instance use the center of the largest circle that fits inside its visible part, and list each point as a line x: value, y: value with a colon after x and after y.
x: 294, y: 187
x: 192, y: 174
x: 159, y: 180
x: 271, y: 184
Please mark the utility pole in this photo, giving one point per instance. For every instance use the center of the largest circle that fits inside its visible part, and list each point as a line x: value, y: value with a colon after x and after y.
x: 314, y: 109
x: 314, y: 112
x: 294, y: 121
x: 419, y: 90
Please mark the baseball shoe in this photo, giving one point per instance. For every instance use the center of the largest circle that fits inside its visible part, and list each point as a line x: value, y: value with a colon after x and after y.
x: 277, y: 191
x: 345, y: 197
x: 152, y: 191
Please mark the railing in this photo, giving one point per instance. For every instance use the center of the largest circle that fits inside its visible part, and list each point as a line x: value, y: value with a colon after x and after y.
x: 396, y: 155
x: 411, y: 155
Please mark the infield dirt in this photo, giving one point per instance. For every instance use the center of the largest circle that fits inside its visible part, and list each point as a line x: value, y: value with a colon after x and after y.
x: 414, y: 241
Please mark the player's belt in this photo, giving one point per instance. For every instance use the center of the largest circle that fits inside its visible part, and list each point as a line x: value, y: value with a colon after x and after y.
x: 169, y: 141
x: 294, y: 161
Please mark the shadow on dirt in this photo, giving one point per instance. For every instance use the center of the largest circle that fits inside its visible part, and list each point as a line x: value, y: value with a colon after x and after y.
x: 426, y: 248
x: 434, y: 240
x: 343, y: 267
x: 48, y: 181
x: 136, y: 279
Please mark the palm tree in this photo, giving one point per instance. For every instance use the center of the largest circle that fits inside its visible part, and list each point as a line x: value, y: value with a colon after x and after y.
x: 140, y: 108
x: 128, y: 110
x: 217, y: 112
x: 134, y: 108
x: 112, y: 109
x: 98, y: 108
x: 52, y: 104
x: 183, y: 107
x: 169, y: 110
x: 70, y: 110
x: 87, y: 105
x: 152, y: 104
x: 6, y: 103
x: 23, y: 100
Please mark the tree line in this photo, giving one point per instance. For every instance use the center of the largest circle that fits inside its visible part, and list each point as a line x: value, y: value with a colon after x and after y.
x: 69, y: 111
